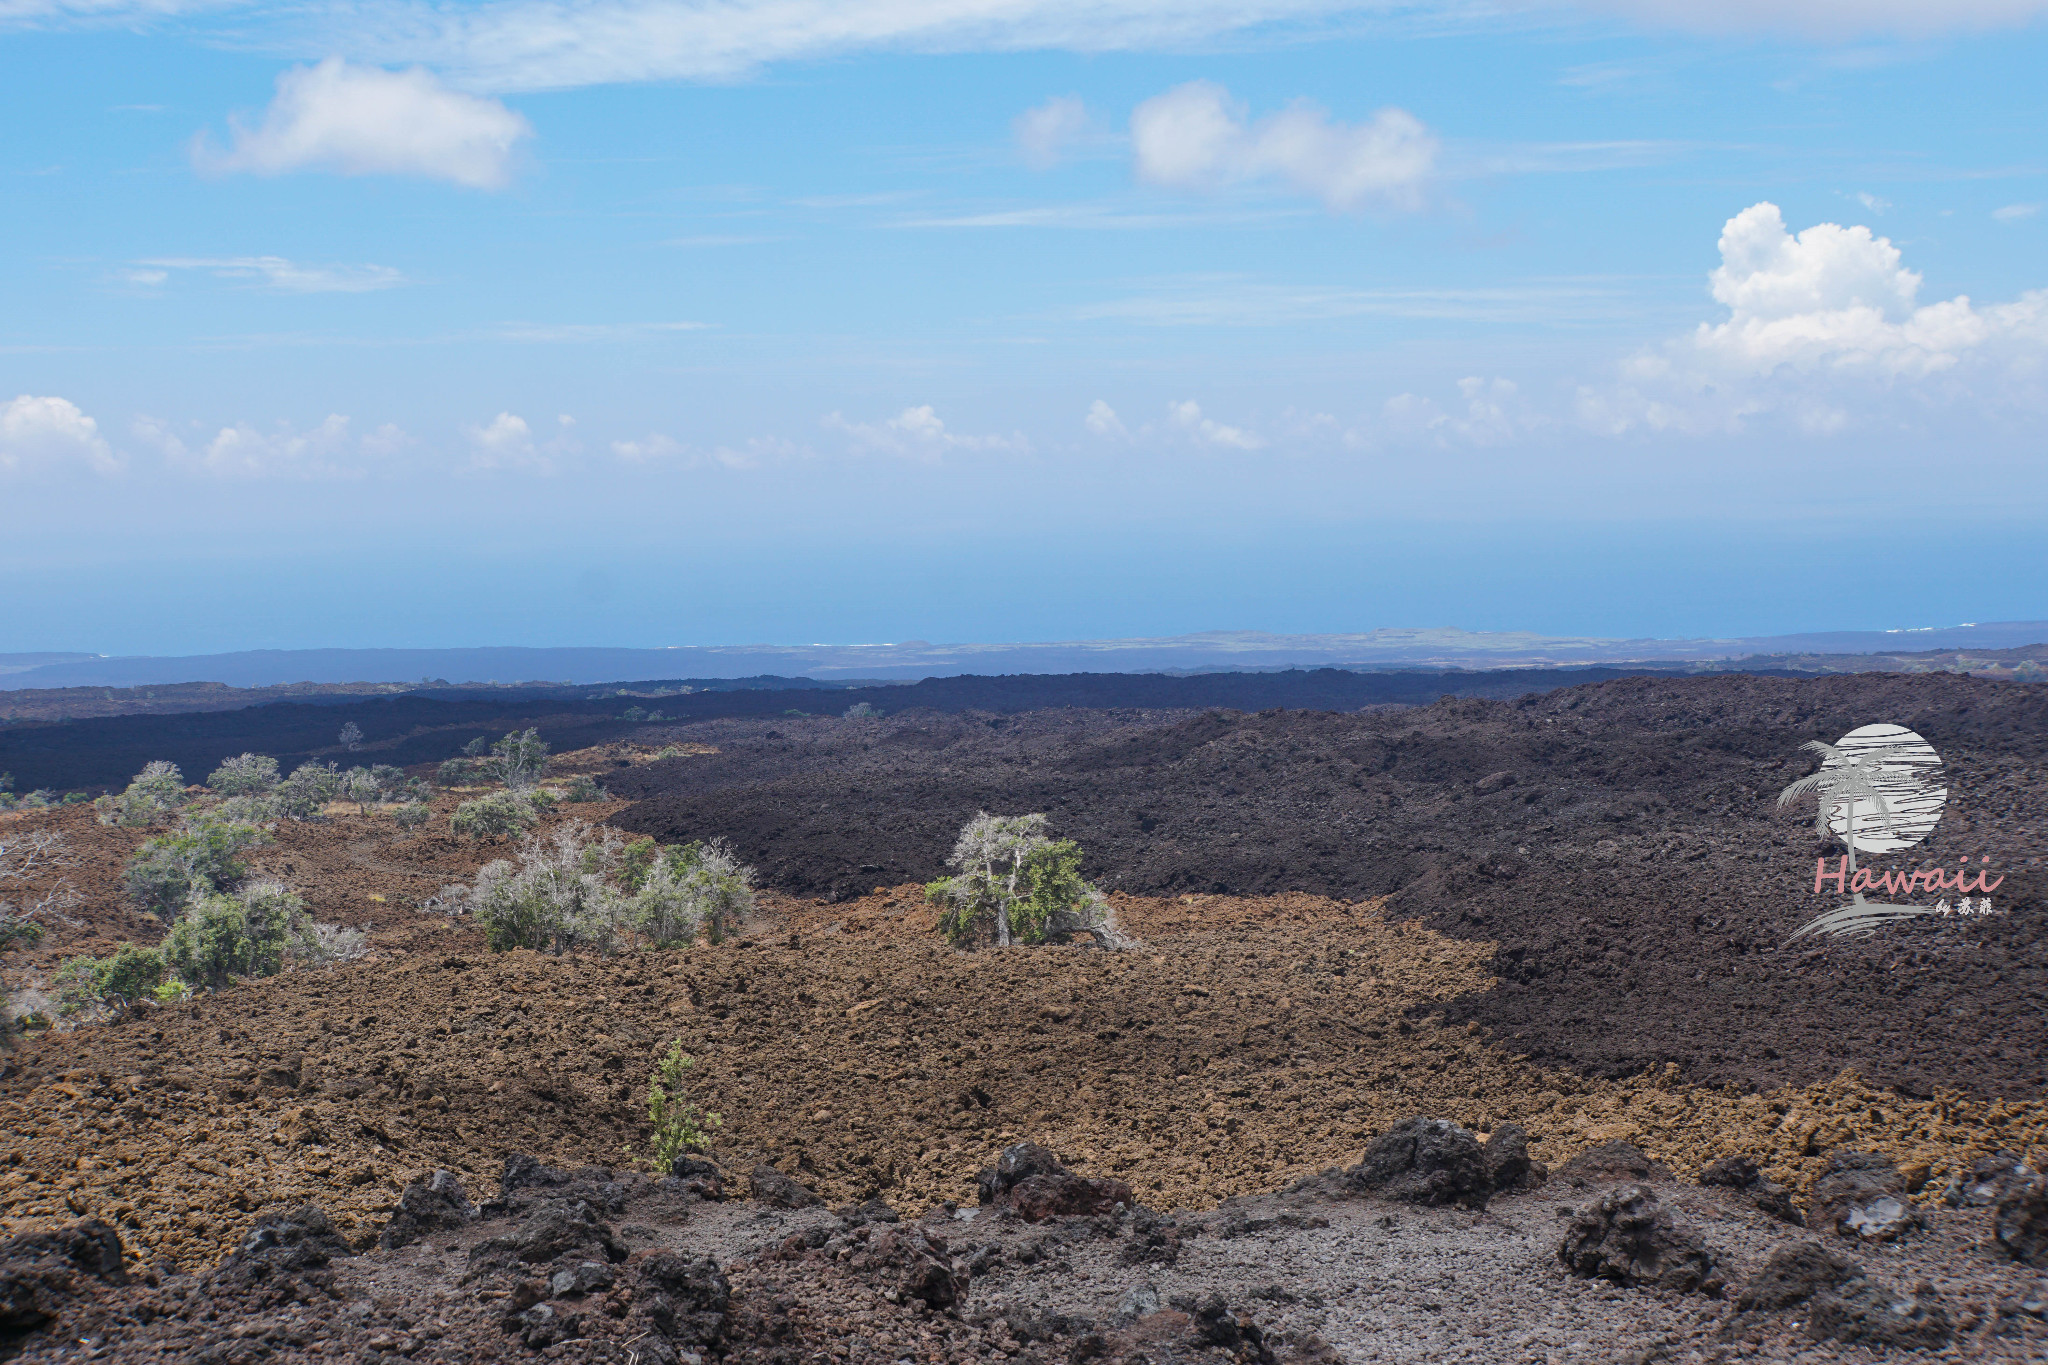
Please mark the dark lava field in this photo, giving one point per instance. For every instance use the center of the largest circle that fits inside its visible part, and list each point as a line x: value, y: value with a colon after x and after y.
x: 1619, y: 842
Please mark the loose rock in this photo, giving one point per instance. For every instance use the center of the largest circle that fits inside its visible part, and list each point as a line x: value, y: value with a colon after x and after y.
x: 1865, y: 1313
x: 1795, y: 1273
x: 1626, y: 1237
x: 2021, y: 1223
x: 435, y: 1204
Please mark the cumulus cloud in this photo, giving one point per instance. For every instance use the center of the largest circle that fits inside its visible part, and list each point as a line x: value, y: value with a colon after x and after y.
x: 507, y: 442
x: 1196, y: 137
x: 274, y: 272
x: 328, y: 451
x: 1103, y: 421
x: 359, y: 120
x: 658, y: 448
x: 1490, y: 412
x: 918, y: 434
x: 1187, y: 417
x: 1840, y: 298
x: 1044, y: 133
x: 50, y: 434
x: 1818, y: 321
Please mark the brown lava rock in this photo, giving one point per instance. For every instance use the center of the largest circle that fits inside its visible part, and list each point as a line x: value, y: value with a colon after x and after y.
x: 40, y: 1272
x: 1794, y: 1273
x: 779, y: 1191
x: 1742, y: 1175
x: 1626, y: 1237
x: 2021, y: 1223
x: 1616, y: 1160
x: 1030, y: 1180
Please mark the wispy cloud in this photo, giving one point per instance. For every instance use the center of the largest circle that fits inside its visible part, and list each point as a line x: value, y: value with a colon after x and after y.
x: 581, y: 333
x: 2013, y: 213
x: 1228, y: 302
x: 919, y: 434
x: 271, y: 272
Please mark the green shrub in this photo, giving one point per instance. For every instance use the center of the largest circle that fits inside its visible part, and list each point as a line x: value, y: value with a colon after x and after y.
x: 679, y: 1126
x: 454, y: 772
x: 863, y: 710
x: 248, y: 933
x: 559, y: 897
x: 412, y: 815
x: 693, y: 889
x: 200, y: 858
x: 583, y: 788
x: 155, y: 791
x: 310, y: 787
x: 246, y: 775
x: 122, y: 977
x: 1016, y: 885
x: 637, y: 861
x: 477, y: 747
x: 521, y: 758
x: 494, y: 816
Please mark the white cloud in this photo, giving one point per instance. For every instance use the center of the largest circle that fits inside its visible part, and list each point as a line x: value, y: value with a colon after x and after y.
x: 49, y: 433
x: 327, y: 451
x: 1103, y: 421
x: 367, y: 121
x: 918, y: 434
x: 558, y: 44
x: 1875, y: 203
x: 2013, y: 213
x: 1492, y: 414
x: 1832, y: 19
x: 1836, y: 297
x: 1822, y: 326
x: 507, y: 442
x: 1044, y: 133
x: 1188, y: 418
x: 1196, y: 137
x: 275, y: 272
x: 654, y: 446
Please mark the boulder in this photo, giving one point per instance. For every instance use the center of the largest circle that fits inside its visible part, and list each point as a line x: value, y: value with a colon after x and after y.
x: 436, y: 1204
x: 910, y: 1262
x: 1988, y: 1180
x: 1864, y: 1313
x: 2021, y: 1222
x: 685, y: 1301
x: 1793, y: 1274
x: 697, y: 1178
x: 778, y: 1191
x: 1742, y: 1175
x: 284, y: 1257
x: 558, y: 1228
x: 1030, y: 1181
x: 1425, y: 1161
x: 1626, y: 1237
x: 1509, y: 1167
x: 40, y: 1272
x: 1612, y: 1161
x: 1861, y: 1195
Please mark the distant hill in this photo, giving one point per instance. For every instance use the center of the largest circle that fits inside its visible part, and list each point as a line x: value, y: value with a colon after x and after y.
x: 912, y: 659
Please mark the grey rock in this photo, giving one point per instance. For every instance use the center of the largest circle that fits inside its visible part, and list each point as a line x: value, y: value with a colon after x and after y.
x: 1626, y: 1237
x: 1424, y: 1161
x: 436, y: 1204
x: 773, y: 1188
x: 2021, y: 1222
x: 1793, y: 1274
x: 1863, y: 1312
x: 1139, y: 1301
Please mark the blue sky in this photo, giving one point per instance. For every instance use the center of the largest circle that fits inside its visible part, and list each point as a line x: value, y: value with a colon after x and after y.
x: 641, y: 322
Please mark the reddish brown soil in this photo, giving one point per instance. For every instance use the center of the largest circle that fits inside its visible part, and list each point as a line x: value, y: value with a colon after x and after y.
x: 1249, y: 1041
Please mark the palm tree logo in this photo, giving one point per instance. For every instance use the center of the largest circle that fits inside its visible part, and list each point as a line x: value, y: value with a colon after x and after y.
x: 1875, y: 790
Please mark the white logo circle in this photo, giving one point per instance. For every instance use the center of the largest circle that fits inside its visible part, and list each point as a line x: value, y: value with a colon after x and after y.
x: 1887, y: 786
